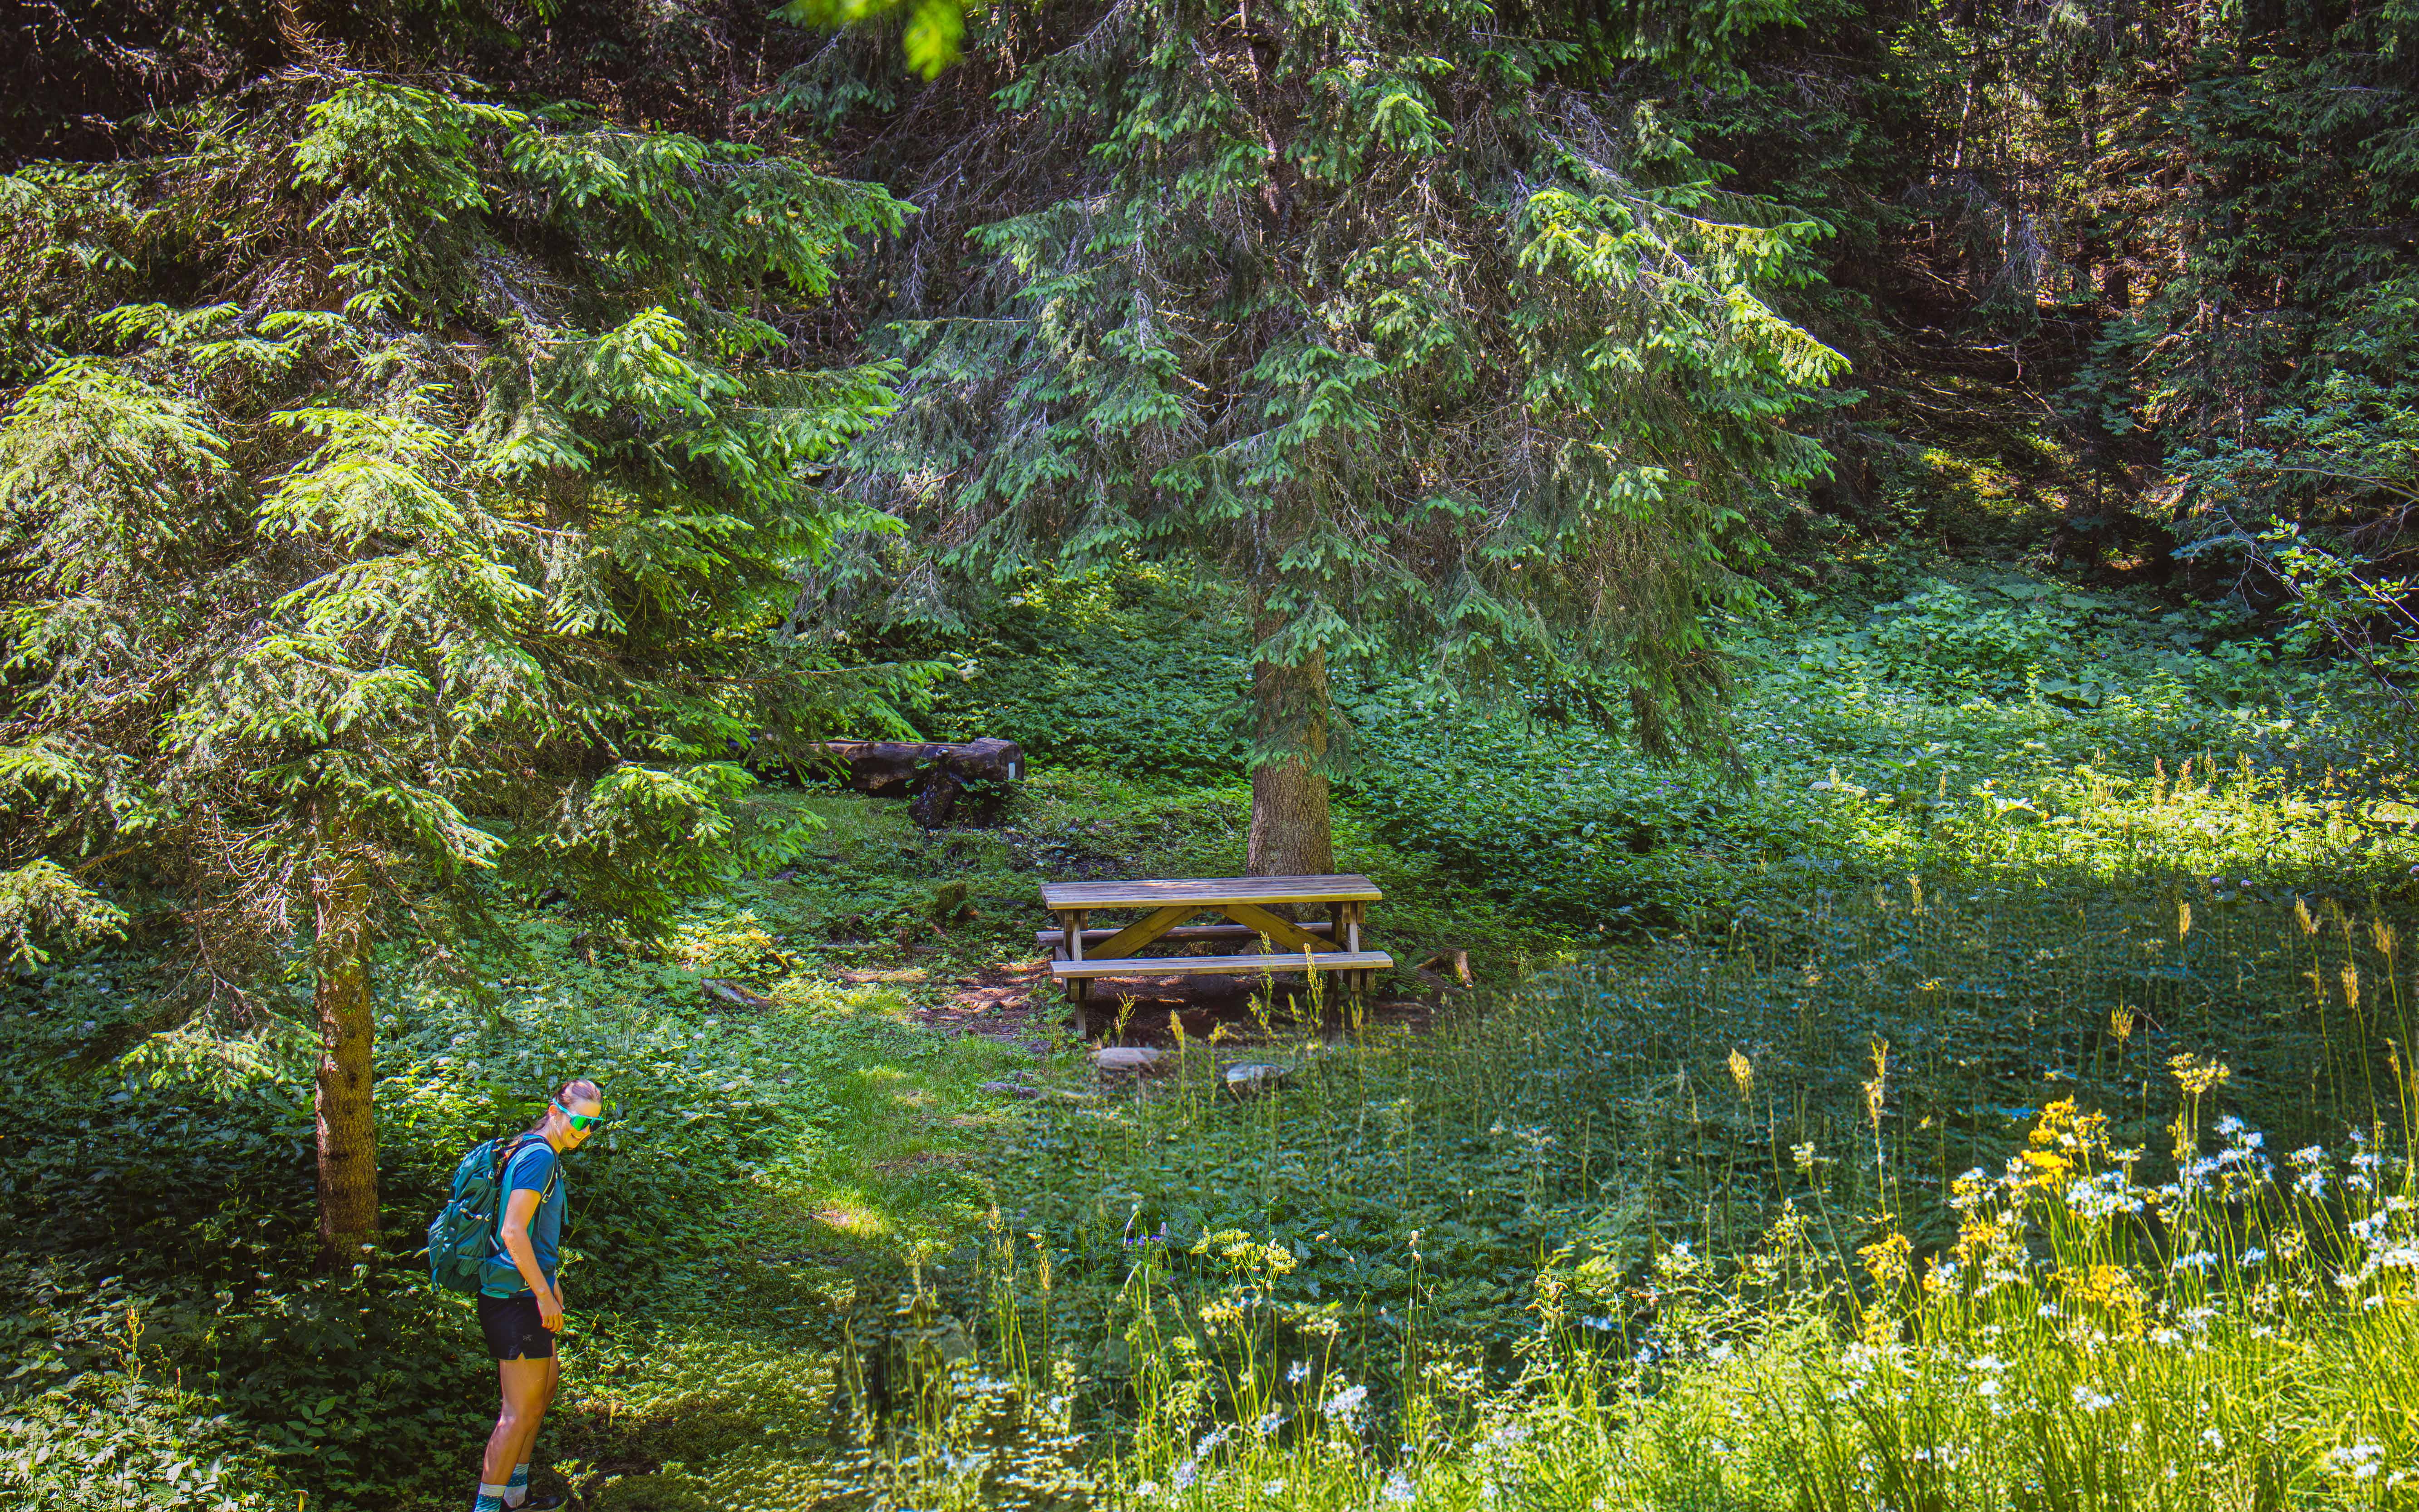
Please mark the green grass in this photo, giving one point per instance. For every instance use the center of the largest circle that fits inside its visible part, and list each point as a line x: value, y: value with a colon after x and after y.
x: 1800, y: 1190
x: 814, y: 1209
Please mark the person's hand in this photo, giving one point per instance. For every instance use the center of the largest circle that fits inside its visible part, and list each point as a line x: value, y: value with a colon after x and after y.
x: 549, y: 1310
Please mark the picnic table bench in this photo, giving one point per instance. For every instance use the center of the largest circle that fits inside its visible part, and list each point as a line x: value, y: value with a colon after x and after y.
x: 1082, y: 955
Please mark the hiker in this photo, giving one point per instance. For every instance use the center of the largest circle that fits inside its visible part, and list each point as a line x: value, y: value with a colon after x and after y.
x: 521, y: 1301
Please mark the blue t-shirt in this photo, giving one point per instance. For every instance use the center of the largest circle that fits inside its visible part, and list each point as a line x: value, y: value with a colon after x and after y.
x: 532, y: 1167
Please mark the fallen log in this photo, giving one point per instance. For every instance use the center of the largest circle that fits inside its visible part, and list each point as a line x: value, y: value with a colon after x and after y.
x: 1457, y: 960
x: 942, y: 780
x: 736, y: 996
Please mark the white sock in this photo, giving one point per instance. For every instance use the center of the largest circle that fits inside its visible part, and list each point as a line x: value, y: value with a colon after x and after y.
x: 516, y: 1489
x: 491, y: 1498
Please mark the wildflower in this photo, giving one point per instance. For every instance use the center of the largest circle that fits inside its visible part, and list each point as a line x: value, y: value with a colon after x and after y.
x: 2092, y: 1401
x: 2308, y: 1156
x: 2101, y: 1196
x: 1269, y: 1421
x: 1602, y: 1324
x: 1301, y: 1369
x: 1398, y: 1488
x: 1144, y: 1491
x: 2213, y: 1439
x: 1346, y: 1402
x: 1274, y: 1488
x: 1986, y: 1388
x: 2229, y: 1125
x: 2252, y: 1257
x: 2199, y: 1259
x: 1182, y: 1478
x: 1211, y: 1441
x: 2167, y: 1335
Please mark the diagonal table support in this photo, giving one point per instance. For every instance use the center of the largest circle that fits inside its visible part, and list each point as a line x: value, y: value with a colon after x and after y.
x: 1142, y: 932
x: 1282, y: 932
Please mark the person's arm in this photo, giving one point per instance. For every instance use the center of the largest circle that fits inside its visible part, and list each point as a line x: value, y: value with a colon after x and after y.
x: 518, y: 1213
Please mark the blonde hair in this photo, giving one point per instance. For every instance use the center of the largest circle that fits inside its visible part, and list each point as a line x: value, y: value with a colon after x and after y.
x: 577, y: 1089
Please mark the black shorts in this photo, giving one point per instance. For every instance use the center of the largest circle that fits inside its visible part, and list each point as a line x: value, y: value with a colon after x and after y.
x: 513, y: 1329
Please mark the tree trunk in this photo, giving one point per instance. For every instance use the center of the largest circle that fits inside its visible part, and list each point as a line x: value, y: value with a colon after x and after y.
x: 1290, y: 835
x: 340, y: 965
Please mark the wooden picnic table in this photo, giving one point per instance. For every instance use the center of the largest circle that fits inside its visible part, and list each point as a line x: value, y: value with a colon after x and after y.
x: 1082, y: 955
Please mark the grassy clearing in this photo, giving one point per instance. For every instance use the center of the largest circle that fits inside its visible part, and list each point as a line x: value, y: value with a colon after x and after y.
x: 1908, y: 1205
x: 1655, y: 1192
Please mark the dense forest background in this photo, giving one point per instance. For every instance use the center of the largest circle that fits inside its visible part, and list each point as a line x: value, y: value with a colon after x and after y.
x: 1856, y: 559
x: 2144, y: 269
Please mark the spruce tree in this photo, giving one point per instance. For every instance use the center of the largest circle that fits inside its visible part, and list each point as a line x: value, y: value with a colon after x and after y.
x: 1396, y: 320
x: 399, y: 488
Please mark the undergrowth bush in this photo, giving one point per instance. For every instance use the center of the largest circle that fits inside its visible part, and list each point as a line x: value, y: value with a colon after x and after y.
x: 1992, y: 721
x: 157, y: 1279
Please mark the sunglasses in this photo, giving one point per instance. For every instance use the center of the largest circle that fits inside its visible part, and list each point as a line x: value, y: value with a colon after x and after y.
x: 581, y: 1122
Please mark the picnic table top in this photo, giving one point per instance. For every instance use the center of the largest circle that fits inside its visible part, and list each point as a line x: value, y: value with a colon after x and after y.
x: 1210, y: 891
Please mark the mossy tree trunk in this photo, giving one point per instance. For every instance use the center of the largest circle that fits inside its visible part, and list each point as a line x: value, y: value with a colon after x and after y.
x: 340, y: 965
x: 1290, y: 834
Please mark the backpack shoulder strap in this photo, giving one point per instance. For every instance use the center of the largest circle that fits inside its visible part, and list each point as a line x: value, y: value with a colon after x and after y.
x: 506, y: 1147
x: 509, y: 1147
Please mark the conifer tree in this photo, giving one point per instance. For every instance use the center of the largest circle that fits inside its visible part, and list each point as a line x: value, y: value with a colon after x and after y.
x: 1389, y: 316
x: 398, y: 488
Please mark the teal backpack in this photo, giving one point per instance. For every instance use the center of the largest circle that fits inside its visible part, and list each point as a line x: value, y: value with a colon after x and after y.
x: 466, y: 1232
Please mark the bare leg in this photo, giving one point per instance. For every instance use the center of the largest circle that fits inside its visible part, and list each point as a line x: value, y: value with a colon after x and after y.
x: 553, y: 1379
x: 529, y: 1386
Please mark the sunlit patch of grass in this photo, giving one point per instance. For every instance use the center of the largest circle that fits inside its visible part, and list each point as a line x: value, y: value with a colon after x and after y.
x: 1945, y: 1199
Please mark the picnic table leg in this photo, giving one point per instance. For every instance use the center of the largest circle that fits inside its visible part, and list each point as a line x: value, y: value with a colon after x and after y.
x: 1070, y: 926
x: 1349, y: 939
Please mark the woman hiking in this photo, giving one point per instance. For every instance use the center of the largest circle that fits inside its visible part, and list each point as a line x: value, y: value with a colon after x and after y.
x: 521, y: 1301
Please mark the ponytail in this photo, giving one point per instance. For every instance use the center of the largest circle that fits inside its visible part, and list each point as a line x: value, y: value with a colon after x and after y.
x: 581, y: 1088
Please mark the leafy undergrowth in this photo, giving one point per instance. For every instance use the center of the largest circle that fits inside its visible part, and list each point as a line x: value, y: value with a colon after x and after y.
x: 158, y: 1271
x: 1720, y: 1016
x: 1975, y: 722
